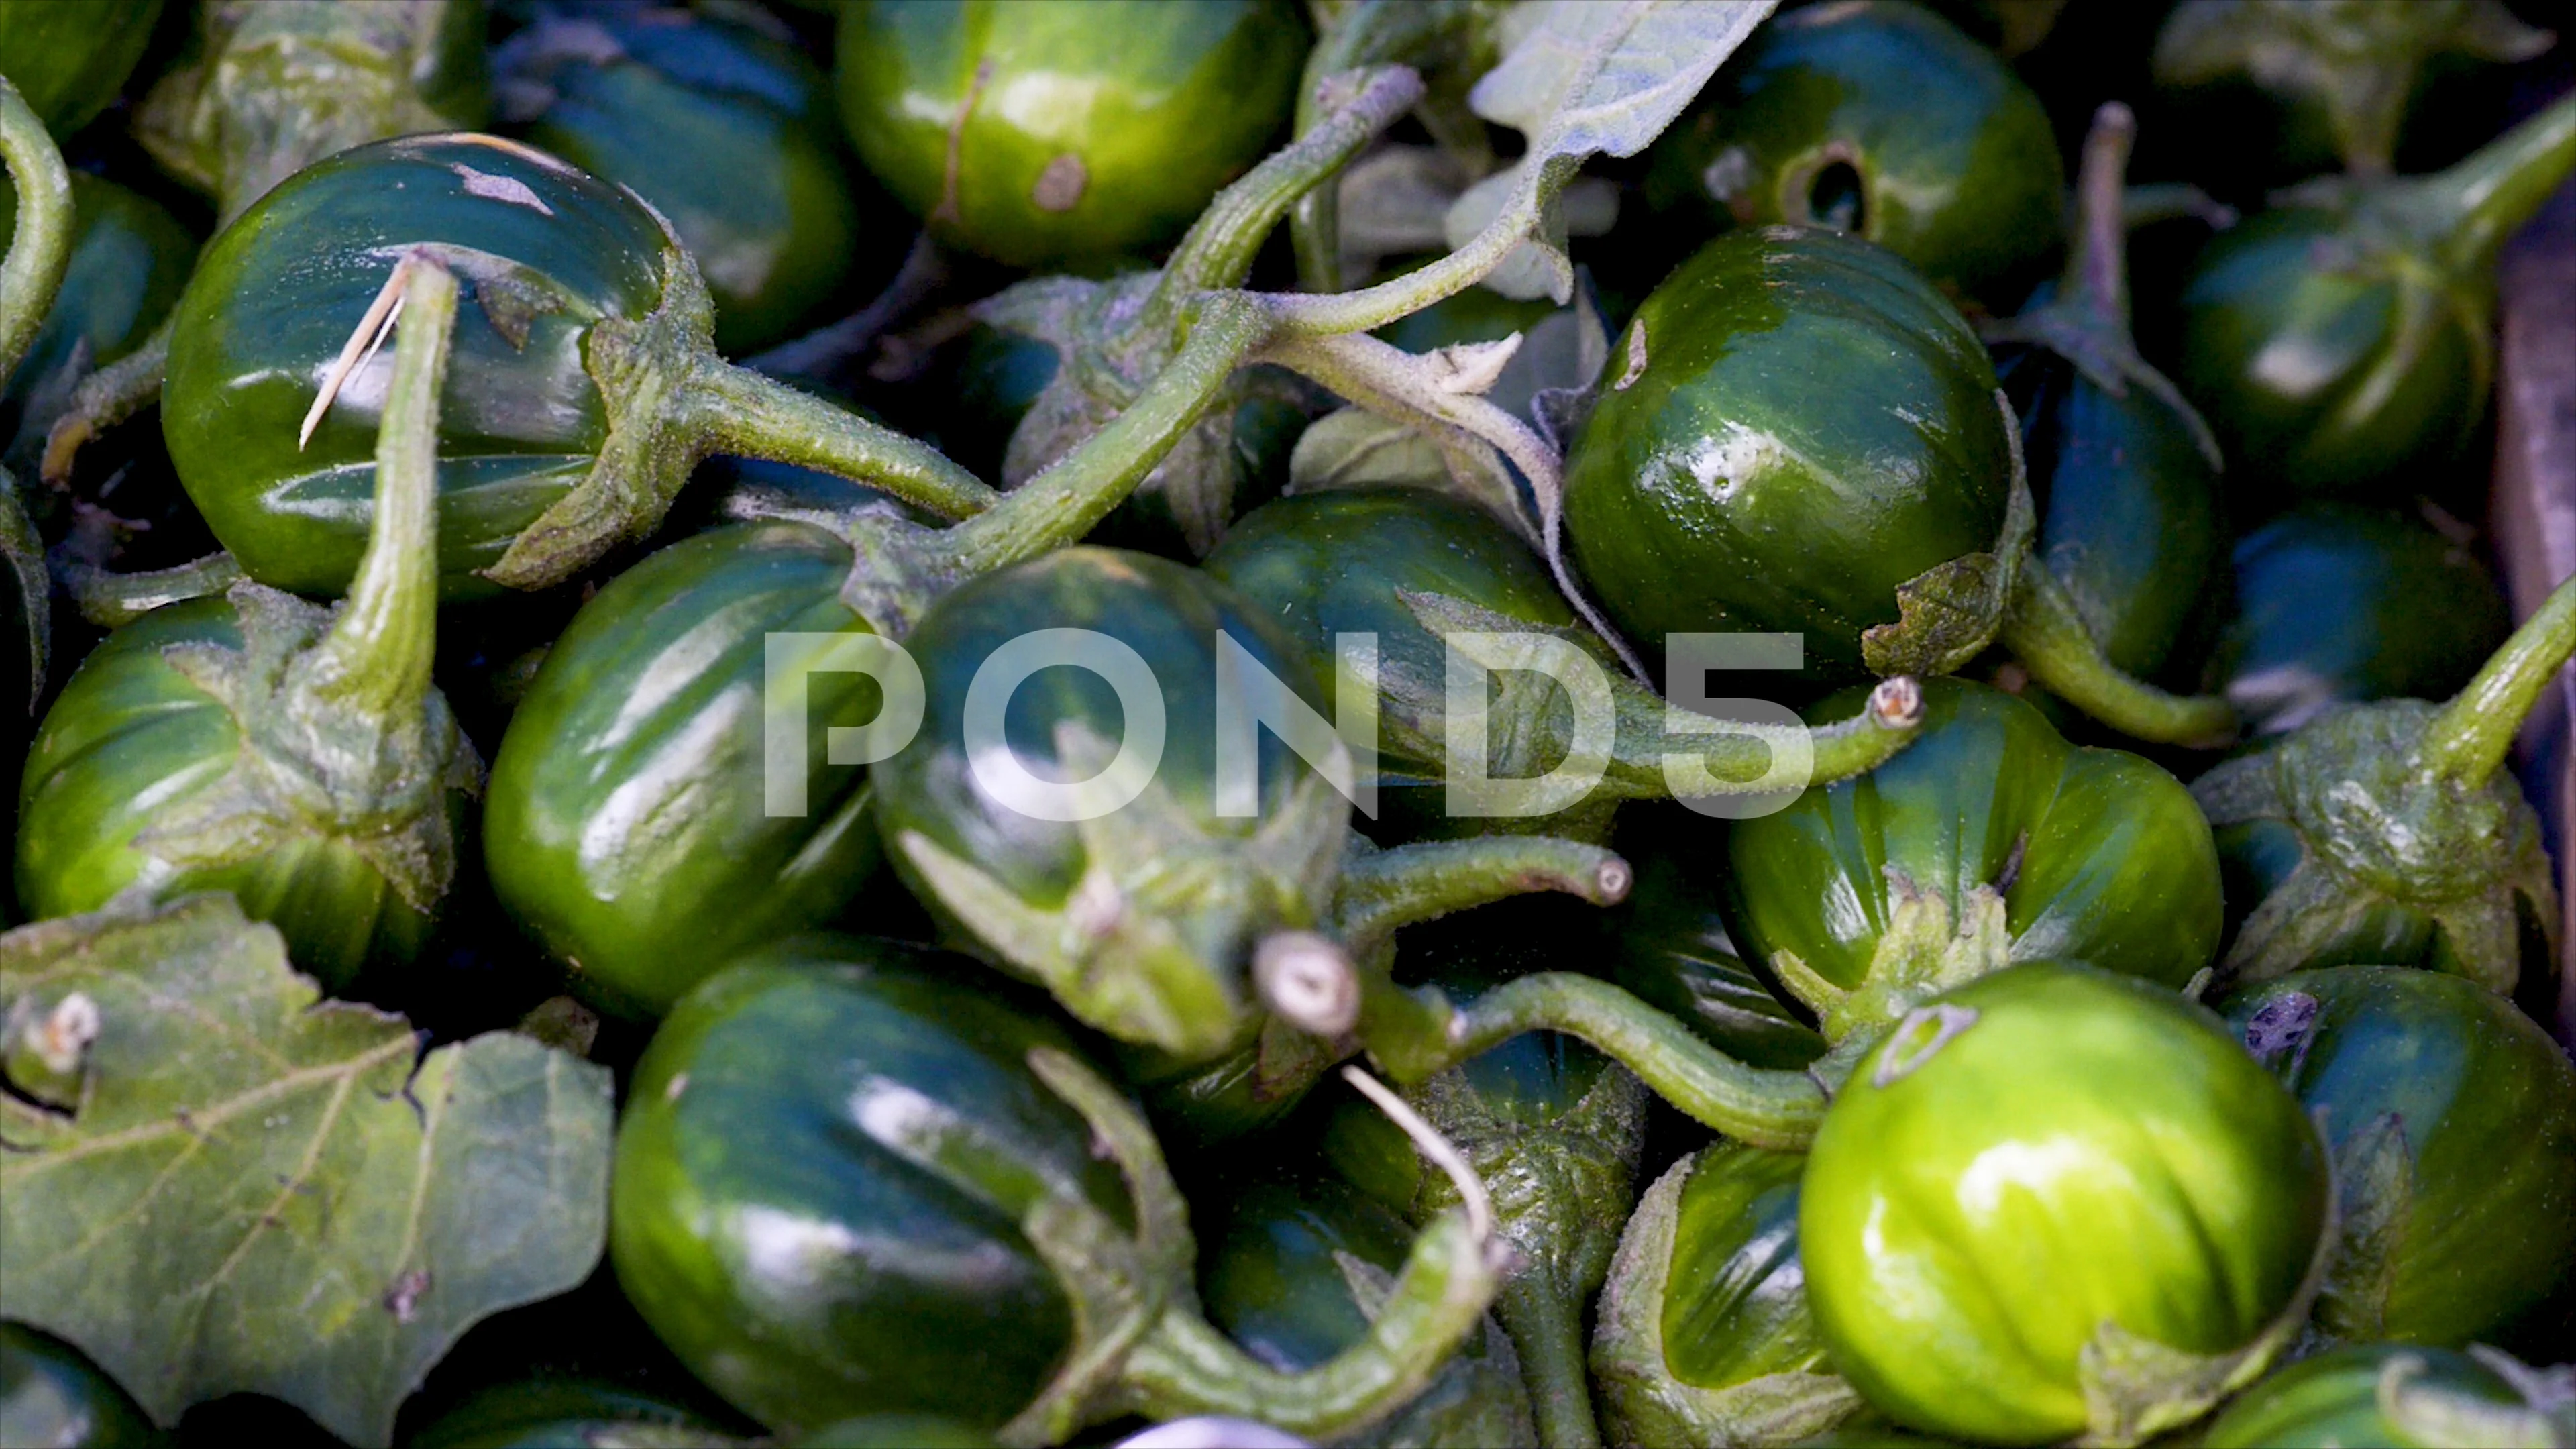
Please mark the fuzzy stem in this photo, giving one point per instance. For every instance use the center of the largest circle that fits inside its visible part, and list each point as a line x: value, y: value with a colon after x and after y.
x: 42, y: 243
x: 1738, y: 758
x: 1382, y: 892
x: 751, y: 416
x: 2467, y: 741
x: 111, y: 600
x: 2097, y: 266
x: 2468, y: 211
x: 1372, y: 32
x: 378, y: 654
x: 105, y: 398
x: 1414, y: 1036
x: 1184, y: 1366
x: 2043, y: 630
x: 1060, y: 505
x: 1547, y: 1332
x: 1219, y: 249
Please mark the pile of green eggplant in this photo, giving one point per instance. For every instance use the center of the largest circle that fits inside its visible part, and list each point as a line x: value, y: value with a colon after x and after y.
x: 1427, y: 724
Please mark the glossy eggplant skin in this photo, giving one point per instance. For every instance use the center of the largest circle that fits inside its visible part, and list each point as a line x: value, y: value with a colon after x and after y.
x: 1086, y: 130
x: 543, y: 1413
x: 626, y: 824
x: 52, y: 1395
x: 129, y: 737
x: 1668, y: 945
x: 2337, y: 604
x: 1878, y: 118
x: 130, y: 259
x: 731, y: 136
x: 69, y: 61
x: 1811, y: 426
x: 2452, y: 1120
x: 279, y: 291
x: 820, y: 1178
x: 2338, y: 1399
x: 2098, y: 855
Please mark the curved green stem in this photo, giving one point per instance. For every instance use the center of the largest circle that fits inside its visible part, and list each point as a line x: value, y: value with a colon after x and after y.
x: 2467, y: 741
x: 2044, y: 631
x: 1415, y: 1035
x: 1547, y: 1333
x: 751, y: 416
x: 42, y: 243
x: 2468, y: 211
x: 1737, y: 759
x: 111, y: 600
x: 1382, y: 891
x: 1184, y: 1366
x: 105, y: 398
x: 378, y: 653
x: 1220, y: 247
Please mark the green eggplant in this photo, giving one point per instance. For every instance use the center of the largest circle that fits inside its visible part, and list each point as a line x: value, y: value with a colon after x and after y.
x: 297, y: 756
x: 564, y: 1414
x: 2341, y: 75
x: 1878, y: 118
x: 1704, y: 1335
x: 2124, y: 474
x: 52, y: 1395
x: 2451, y: 1117
x: 129, y: 259
x: 1958, y: 1198
x: 1551, y: 1127
x: 2339, y: 344
x: 1293, y: 1269
x: 1041, y: 135
x: 728, y: 133
x: 1721, y: 485
x: 2392, y: 834
x: 587, y: 382
x: 69, y: 61
x: 896, y: 1431
x: 31, y: 276
x: 1668, y: 944
x: 861, y: 1178
x: 1413, y: 569
x: 2342, y: 605
x: 2399, y: 1396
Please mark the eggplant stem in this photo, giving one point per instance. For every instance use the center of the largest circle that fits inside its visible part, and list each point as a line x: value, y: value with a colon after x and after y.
x: 2466, y: 743
x: 41, y: 246
x: 2468, y: 211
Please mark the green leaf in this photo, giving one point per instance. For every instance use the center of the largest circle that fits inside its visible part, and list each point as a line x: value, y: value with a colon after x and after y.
x: 1585, y: 78
x: 260, y: 1191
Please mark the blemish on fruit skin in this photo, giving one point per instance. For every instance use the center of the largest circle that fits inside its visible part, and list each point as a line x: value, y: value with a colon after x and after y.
x: 1722, y: 463
x: 499, y: 188
x: 1060, y: 185
x: 1636, y: 361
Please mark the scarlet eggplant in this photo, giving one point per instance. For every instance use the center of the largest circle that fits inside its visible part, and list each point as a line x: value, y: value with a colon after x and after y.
x: 1668, y: 943
x: 2391, y: 833
x: 2342, y: 605
x: 587, y: 381
x: 1958, y: 1194
x: 51, y: 1394
x: 727, y: 132
x: 922, y: 1145
x: 71, y: 60
x: 1704, y: 1335
x: 543, y: 1412
x: 2451, y: 1117
x: 129, y: 259
x: 1722, y: 483
x: 296, y: 756
x: 2340, y: 344
x: 1877, y: 118
x: 1042, y: 134
x: 2401, y: 1397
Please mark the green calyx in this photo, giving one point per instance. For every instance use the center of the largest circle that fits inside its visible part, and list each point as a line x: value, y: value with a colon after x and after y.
x: 1950, y: 612
x: 1140, y: 1345
x: 2405, y: 803
x: 1922, y: 953
x: 342, y: 732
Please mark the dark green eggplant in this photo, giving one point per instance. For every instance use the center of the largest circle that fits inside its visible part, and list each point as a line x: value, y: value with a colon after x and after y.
x: 70, y: 60
x: 1039, y: 135
x: 2342, y: 605
x: 1668, y: 944
x: 587, y: 381
x: 1551, y: 1127
x: 861, y: 1178
x: 297, y: 756
x: 2340, y: 77
x: 52, y: 1395
x: 2125, y: 475
x: 728, y: 133
x: 2339, y: 344
x: 1882, y: 119
x: 565, y: 1414
x: 2452, y: 1120
x: 1412, y: 568
x: 1801, y: 436
x: 2400, y: 1397
x: 1293, y: 1269
x: 2392, y: 833
x: 897, y: 1431
x: 1704, y: 1335
x: 129, y: 259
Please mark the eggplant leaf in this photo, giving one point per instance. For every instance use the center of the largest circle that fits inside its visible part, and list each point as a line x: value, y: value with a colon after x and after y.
x: 252, y: 1189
